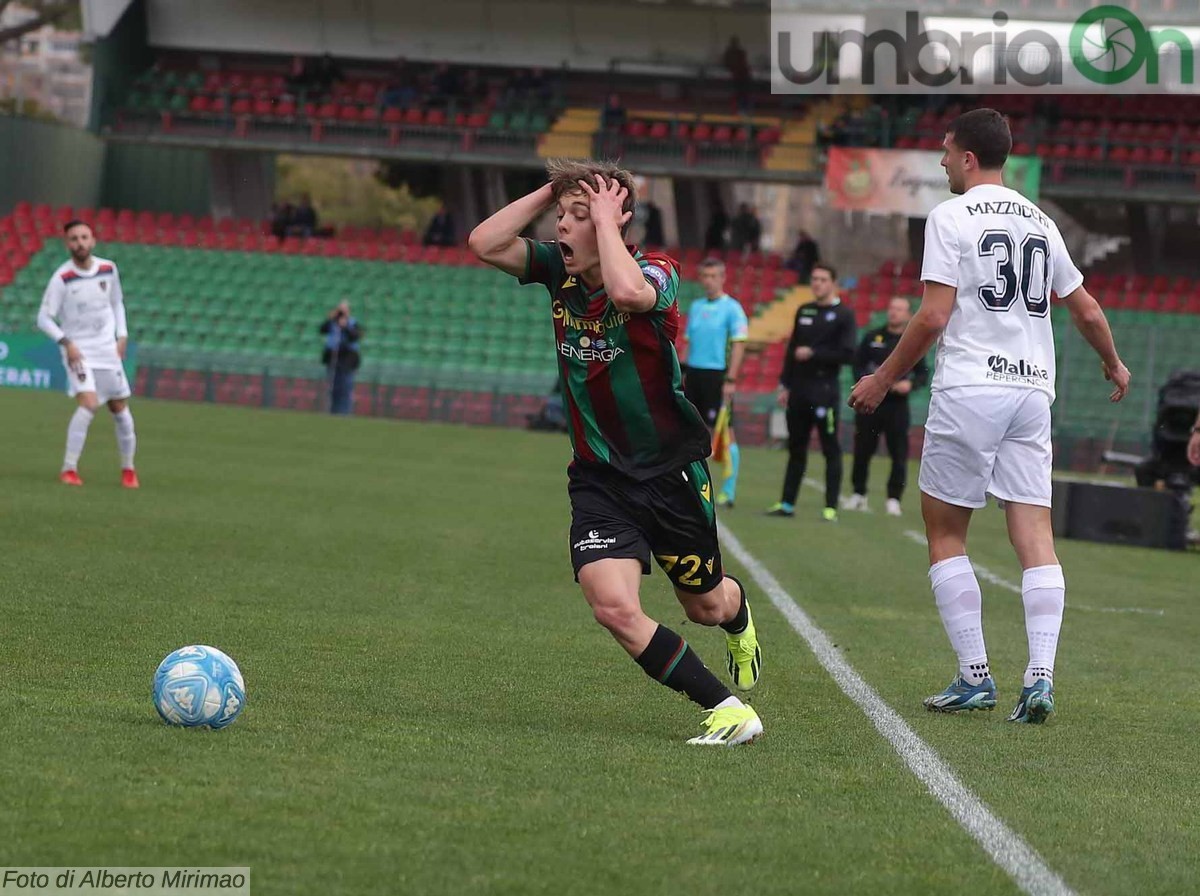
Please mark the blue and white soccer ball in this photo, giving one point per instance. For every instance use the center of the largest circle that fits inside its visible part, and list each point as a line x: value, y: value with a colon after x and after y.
x: 199, y: 687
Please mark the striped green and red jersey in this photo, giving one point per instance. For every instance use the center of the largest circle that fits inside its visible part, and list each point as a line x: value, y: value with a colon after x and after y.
x: 620, y: 373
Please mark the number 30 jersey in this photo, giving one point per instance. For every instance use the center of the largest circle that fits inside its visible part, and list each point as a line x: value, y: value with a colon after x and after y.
x: 1003, y: 255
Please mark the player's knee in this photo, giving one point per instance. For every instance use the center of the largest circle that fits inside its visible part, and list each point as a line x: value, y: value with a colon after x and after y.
x: 617, y: 616
x: 705, y: 610
x: 88, y: 400
x: 117, y: 405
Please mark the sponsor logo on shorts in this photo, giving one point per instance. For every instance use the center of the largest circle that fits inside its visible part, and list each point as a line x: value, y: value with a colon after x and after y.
x: 593, y: 542
x: 1003, y: 370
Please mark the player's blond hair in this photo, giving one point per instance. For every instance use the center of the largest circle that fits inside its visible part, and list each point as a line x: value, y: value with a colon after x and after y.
x: 565, y: 175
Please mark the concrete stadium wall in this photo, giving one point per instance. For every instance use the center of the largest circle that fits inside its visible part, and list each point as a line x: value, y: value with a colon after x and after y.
x: 578, y: 34
x: 48, y: 162
x: 44, y: 161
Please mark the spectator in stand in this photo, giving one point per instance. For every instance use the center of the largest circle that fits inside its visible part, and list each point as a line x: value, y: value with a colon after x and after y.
x: 281, y: 218
x: 473, y: 91
x: 612, y: 119
x: 746, y: 230
x: 299, y: 73
x: 540, y: 88
x: 445, y: 85
x: 804, y: 257
x: 326, y: 73
x: 714, y: 236
x: 654, y: 238
x: 304, y: 218
x: 738, y: 66
x: 441, y: 230
x: 401, y: 89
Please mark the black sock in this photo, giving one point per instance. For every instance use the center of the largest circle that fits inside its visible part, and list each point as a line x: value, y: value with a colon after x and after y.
x: 738, y: 623
x: 669, y: 660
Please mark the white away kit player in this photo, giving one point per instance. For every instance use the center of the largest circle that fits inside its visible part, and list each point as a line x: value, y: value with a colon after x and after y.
x: 992, y: 259
x: 84, y: 312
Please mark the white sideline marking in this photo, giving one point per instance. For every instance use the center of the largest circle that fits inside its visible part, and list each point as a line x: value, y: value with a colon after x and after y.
x: 1005, y: 847
x: 988, y: 576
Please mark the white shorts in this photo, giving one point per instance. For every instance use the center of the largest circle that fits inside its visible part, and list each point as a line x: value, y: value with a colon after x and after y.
x: 107, y: 384
x: 988, y: 440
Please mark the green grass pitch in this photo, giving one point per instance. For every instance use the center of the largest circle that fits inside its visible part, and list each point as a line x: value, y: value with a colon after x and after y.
x: 432, y: 710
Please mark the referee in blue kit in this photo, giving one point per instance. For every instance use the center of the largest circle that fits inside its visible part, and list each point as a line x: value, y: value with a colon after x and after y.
x: 716, y: 335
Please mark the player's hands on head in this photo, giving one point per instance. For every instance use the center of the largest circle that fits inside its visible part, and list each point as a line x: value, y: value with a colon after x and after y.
x: 1119, y: 376
x: 868, y: 393
x: 606, y: 199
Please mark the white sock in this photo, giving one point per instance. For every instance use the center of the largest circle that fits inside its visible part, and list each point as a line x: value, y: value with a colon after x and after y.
x: 728, y: 702
x: 1044, y: 593
x: 126, y: 438
x: 77, y: 431
x: 960, y: 604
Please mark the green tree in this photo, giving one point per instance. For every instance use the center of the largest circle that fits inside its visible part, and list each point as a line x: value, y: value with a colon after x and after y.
x: 45, y: 12
x: 347, y: 191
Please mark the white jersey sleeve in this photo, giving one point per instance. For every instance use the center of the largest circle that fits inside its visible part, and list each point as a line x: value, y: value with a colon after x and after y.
x: 118, y: 305
x: 1003, y: 256
x: 942, y: 251
x: 1067, y: 277
x: 52, y: 302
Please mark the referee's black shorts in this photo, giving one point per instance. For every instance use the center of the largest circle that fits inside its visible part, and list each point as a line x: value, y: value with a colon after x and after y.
x: 704, y: 389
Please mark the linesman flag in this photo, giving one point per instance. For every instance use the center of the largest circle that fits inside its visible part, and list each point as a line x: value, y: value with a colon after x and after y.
x: 722, y: 441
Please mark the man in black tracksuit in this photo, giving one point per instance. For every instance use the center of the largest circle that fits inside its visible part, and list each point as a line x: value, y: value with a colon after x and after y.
x: 822, y: 341
x: 891, y: 420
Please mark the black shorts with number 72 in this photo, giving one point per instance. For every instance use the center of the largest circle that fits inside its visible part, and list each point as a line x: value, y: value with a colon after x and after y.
x: 670, y: 517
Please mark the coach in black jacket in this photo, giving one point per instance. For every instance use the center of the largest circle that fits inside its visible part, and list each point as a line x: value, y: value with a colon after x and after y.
x: 822, y: 342
x: 891, y: 420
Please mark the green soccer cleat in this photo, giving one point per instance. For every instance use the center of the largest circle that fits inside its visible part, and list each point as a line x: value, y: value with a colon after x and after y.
x: 729, y: 727
x: 962, y: 696
x: 1036, y: 703
x: 829, y: 515
x: 780, y: 509
x: 744, y: 655
x: 723, y: 500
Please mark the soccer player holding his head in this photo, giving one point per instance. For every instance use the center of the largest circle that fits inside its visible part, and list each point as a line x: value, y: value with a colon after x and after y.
x: 716, y: 336
x: 84, y: 312
x: 991, y: 260
x: 638, y: 482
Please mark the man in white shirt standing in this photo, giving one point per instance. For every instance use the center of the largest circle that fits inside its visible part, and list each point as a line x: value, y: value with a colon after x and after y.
x: 992, y: 259
x: 84, y: 312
